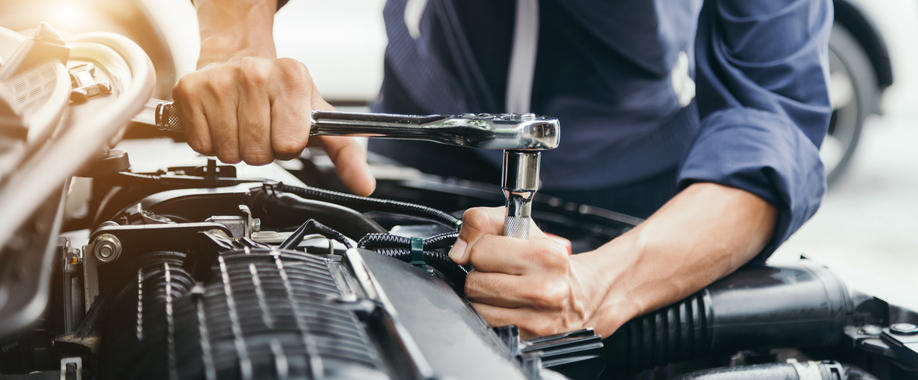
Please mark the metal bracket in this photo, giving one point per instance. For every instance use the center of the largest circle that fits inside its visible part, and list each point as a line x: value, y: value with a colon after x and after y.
x: 72, y: 368
x: 85, y: 86
x: 138, y: 239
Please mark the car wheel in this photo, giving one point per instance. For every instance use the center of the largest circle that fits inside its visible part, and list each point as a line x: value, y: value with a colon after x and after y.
x: 851, y: 91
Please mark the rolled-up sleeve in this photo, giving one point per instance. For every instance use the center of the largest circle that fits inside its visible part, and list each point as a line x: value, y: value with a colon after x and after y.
x: 761, y: 73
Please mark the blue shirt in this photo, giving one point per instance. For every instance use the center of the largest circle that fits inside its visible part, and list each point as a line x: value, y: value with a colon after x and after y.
x: 606, y: 70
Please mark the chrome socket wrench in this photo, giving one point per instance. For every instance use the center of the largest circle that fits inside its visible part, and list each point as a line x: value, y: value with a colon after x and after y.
x: 521, y: 137
x: 520, y: 182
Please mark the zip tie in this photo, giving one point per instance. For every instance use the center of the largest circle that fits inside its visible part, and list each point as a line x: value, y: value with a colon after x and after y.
x: 417, y: 253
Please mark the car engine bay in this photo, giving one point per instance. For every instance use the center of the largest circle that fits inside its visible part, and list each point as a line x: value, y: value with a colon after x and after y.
x: 125, y: 255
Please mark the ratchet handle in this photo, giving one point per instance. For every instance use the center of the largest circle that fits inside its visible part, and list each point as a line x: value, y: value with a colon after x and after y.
x: 506, y: 131
x: 167, y: 119
x: 326, y: 123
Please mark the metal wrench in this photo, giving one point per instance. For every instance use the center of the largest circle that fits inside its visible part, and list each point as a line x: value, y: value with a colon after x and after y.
x: 521, y: 137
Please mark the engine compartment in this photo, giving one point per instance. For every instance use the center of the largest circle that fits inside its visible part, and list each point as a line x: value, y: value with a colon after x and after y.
x: 145, y: 260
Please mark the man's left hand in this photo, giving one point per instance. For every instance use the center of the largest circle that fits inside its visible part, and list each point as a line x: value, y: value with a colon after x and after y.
x: 534, y: 284
x: 702, y: 234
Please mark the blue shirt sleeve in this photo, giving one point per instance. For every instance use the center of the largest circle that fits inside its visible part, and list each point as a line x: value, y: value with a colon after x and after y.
x: 762, y: 95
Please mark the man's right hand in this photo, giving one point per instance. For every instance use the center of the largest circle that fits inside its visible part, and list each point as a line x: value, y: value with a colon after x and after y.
x: 244, y: 104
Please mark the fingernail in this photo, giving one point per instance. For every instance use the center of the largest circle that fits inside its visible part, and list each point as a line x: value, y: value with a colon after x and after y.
x: 458, y: 250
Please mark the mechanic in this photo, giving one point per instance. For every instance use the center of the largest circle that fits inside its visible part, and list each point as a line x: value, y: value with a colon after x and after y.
x: 704, y: 116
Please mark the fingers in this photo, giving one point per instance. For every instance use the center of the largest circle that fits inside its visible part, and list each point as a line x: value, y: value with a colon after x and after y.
x: 529, y: 283
x: 476, y: 223
x: 258, y: 109
x: 290, y: 109
x: 531, y: 322
x: 197, y: 133
x: 497, y: 254
x: 247, y: 109
x: 254, y: 115
x: 499, y: 289
x: 479, y: 222
x: 349, y: 157
x: 351, y: 164
x: 532, y: 274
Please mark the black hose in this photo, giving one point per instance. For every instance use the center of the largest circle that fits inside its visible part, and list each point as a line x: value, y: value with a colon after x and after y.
x: 281, y: 210
x: 755, y: 307
x: 439, y: 261
x: 375, y: 204
x: 771, y: 371
x: 311, y: 226
x: 827, y: 370
x: 674, y: 333
x: 377, y: 240
x: 853, y: 372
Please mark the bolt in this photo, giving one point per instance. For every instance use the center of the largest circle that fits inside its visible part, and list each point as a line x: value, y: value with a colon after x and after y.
x: 903, y: 329
x: 106, y: 248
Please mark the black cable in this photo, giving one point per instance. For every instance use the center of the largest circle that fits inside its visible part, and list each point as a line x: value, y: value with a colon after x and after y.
x: 312, y: 226
x: 375, y: 204
x: 446, y: 239
x: 377, y: 240
x: 439, y: 261
x: 179, y: 181
x: 373, y: 241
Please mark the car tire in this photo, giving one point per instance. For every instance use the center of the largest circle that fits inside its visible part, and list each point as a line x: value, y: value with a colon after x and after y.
x: 852, y: 89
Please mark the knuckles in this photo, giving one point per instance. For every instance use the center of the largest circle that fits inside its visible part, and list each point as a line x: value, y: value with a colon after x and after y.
x: 476, y: 218
x: 554, y: 296
x: 292, y: 70
x: 252, y: 72
x: 223, y: 83
x: 550, y: 255
x: 219, y: 80
x: 183, y: 89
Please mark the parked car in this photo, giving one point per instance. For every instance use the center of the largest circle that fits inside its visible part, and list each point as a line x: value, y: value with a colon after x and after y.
x: 861, y: 70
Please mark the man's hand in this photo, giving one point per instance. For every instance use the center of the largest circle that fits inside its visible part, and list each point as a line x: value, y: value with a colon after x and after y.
x: 244, y: 104
x: 704, y: 233
x: 533, y: 284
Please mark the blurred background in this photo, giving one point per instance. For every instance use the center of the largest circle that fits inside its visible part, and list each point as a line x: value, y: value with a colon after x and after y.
x: 869, y: 219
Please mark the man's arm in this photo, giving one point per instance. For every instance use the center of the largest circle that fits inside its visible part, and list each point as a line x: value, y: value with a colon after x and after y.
x: 244, y: 104
x: 701, y: 235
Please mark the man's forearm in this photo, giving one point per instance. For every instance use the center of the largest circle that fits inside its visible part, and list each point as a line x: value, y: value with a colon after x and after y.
x: 235, y: 28
x: 704, y: 233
